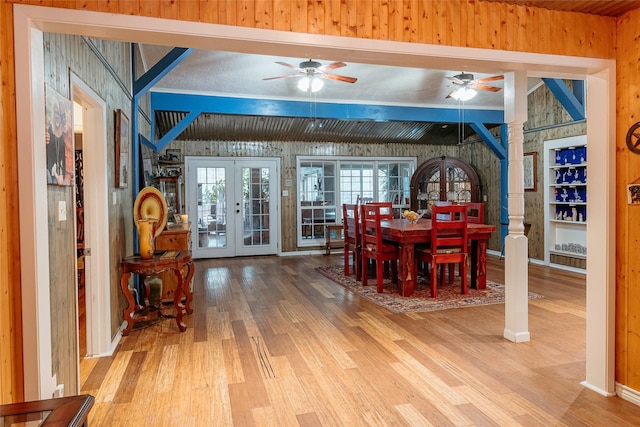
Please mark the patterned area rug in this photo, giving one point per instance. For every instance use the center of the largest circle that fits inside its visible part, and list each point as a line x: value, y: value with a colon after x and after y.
x: 448, y: 296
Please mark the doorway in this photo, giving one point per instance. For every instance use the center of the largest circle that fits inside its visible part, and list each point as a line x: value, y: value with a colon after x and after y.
x: 30, y: 20
x: 233, y: 205
x: 95, y: 208
x: 79, y: 221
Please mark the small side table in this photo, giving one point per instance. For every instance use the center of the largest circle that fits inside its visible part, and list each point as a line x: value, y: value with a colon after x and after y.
x: 337, y: 242
x: 176, y: 261
x: 69, y: 411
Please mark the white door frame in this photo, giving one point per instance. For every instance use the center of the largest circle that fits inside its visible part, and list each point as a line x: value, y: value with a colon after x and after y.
x: 231, y: 165
x: 274, y: 206
x: 96, y: 214
x: 30, y: 20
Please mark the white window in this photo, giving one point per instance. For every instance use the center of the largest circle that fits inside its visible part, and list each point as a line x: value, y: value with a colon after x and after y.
x: 324, y: 184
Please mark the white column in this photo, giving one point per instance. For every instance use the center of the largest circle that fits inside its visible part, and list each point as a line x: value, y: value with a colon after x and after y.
x: 601, y: 233
x: 516, y: 243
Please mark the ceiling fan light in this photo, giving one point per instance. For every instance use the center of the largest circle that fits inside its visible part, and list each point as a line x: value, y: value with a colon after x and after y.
x: 464, y: 94
x: 309, y: 83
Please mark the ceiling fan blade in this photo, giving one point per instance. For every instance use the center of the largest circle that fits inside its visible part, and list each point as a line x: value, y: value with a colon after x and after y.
x: 284, y: 64
x: 451, y: 94
x: 485, y: 87
x: 456, y: 80
x: 332, y: 66
x: 489, y: 79
x: 282, y: 77
x: 337, y: 77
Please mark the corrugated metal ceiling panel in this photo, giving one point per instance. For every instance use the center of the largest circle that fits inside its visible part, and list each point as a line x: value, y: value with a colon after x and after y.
x: 227, y: 127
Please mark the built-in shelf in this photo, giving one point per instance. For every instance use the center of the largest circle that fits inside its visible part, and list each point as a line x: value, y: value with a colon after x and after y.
x: 565, y: 200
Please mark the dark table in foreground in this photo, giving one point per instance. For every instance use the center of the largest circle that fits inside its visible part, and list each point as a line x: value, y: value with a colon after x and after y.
x: 176, y: 261
x: 407, y: 235
x: 71, y: 411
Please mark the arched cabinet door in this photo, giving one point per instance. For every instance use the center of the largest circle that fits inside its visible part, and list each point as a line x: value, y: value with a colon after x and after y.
x: 444, y: 179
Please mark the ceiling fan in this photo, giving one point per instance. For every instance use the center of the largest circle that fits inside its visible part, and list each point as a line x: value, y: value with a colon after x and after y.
x: 309, y: 70
x: 467, y: 86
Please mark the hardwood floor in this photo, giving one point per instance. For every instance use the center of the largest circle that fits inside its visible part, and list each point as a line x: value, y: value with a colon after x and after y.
x: 271, y: 342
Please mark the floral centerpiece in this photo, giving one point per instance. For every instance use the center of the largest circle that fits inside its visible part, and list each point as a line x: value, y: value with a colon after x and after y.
x: 411, y: 216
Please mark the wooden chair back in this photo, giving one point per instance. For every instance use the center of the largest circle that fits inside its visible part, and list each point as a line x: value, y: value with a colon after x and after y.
x: 448, y: 244
x: 352, y: 238
x: 373, y: 247
x: 386, y: 211
x: 475, y: 212
x: 449, y: 235
x: 351, y: 223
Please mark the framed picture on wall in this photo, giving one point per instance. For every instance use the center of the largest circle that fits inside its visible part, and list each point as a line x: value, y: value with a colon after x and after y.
x: 633, y: 194
x: 530, y: 170
x: 59, y: 138
x: 123, y: 146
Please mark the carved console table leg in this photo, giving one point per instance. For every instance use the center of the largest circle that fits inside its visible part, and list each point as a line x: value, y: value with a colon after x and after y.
x: 124, y: 285
x: 177, y: 299
x: 187, y: 286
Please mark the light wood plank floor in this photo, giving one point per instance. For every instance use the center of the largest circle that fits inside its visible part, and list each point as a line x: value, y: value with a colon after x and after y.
x: 273, y: 343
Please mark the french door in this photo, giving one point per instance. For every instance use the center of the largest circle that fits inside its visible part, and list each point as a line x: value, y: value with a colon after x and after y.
x: 232, y: 206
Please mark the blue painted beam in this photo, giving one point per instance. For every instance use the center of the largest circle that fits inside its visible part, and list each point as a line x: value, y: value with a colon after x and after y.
x: 578, y: 91
x: 145, y: 141
x: 569, y: 101
x: 490, y: 140
x: 161, y: 101
x: 159, y: 70
x: 177, y: 130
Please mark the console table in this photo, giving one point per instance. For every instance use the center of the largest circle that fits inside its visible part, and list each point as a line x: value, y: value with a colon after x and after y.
x: 71, y: 411
x: 180, y: 263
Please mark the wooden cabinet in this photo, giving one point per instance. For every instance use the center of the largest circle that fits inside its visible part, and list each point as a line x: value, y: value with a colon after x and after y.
x: 565, y: 186
x: 173, y: 238
x: 443, y: 179
x: 171, y: 189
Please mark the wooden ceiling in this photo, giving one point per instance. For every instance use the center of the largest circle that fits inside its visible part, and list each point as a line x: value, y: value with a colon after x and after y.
x: 595, y: 7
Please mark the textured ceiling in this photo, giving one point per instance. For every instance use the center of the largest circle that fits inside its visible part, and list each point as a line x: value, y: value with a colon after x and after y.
x: 243, y: 75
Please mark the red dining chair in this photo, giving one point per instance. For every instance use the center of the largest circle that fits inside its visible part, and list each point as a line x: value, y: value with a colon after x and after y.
x: 475, y: 215
x: 373, y: 247
x: 448, y: 244
x: 475, y: 212
x: 352, y: 239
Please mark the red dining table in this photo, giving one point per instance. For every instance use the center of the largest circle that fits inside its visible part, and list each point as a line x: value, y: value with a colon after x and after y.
x: 406, y: 235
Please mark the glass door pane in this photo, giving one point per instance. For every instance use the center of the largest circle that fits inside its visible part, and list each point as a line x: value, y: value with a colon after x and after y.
x: 212, y: 207
x: 255, y: 206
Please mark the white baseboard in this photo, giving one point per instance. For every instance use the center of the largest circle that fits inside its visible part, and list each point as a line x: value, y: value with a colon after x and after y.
x: 628, y: 394
x: 112, y: 346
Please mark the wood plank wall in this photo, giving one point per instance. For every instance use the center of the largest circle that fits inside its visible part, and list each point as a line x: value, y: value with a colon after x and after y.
x: 627, y: 217
x: 448, y: 22
x: 64, y: 54
x: 11, y: 371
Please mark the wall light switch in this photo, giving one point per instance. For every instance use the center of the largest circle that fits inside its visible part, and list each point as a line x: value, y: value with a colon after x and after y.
x: 114, y: 198
x: 62, y: 210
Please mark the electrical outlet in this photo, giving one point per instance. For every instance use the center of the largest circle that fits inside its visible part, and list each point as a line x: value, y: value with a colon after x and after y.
x: 285, y: 193
x: 62, y: 210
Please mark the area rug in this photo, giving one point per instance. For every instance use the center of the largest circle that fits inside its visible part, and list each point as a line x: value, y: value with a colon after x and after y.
x: 448, y: 296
